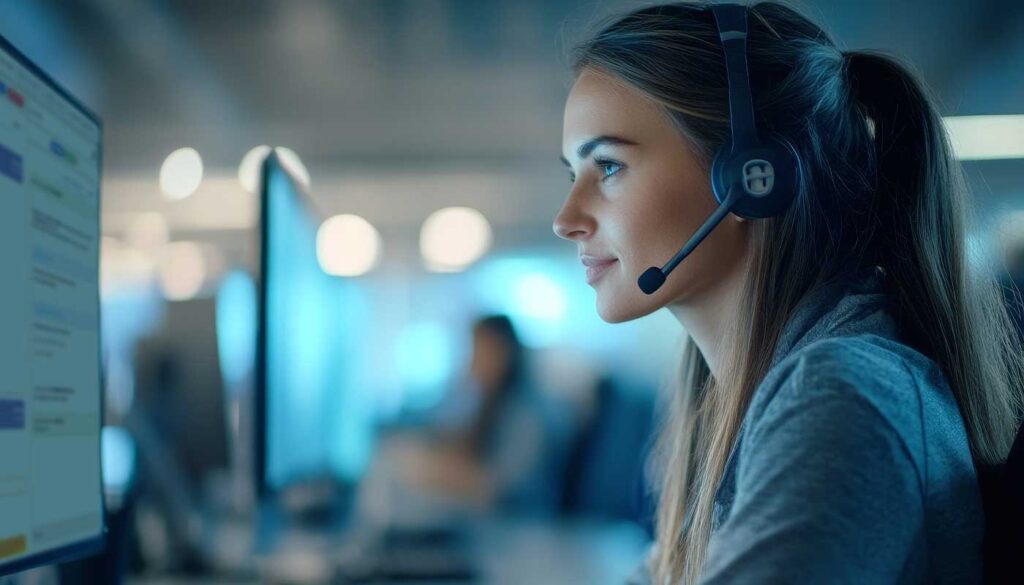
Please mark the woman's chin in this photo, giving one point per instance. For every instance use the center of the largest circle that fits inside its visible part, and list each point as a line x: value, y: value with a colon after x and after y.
x: 609, y: 316
x: 619, y: 310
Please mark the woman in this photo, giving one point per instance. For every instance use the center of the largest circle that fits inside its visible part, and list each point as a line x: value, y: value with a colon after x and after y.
x: 506, y: 457
x: 844, y: 371
x: 511, y: 442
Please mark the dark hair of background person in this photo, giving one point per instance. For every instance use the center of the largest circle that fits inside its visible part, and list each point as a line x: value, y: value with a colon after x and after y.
x: 499, y: 327
x: 880, y: 187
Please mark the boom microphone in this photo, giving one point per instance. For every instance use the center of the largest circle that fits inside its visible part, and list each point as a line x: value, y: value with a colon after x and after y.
x: 652, y: 278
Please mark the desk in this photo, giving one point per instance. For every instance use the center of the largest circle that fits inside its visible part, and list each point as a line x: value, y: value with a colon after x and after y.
x: 573, y: 552
x: 508, y: 552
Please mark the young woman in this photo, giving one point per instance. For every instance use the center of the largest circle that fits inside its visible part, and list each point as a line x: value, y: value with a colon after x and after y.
x: 845, y: 369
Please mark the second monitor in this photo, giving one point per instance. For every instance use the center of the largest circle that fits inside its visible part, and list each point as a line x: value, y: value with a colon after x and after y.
x: 311, y: 419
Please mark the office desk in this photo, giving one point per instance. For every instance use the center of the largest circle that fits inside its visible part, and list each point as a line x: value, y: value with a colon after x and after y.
x: 507, y: 553
x: 578, y: 552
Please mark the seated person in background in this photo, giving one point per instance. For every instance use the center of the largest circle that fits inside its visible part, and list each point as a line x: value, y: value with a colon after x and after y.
x: 507, y: 454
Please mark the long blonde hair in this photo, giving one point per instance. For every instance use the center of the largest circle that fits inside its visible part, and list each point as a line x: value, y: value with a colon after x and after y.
x: 879, y: 188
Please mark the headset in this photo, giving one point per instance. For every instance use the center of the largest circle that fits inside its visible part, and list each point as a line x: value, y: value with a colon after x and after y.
x: 753, y: 177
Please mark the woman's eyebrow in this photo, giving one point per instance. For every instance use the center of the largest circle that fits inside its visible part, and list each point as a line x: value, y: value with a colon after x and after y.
x: 587, y: 147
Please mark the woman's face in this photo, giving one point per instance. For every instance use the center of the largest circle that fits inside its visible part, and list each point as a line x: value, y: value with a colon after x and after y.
x: 489, y: 360
x: 638, y: 193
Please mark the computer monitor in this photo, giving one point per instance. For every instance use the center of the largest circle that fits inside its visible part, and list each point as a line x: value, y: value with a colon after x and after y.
x: 311, y: 420
x: 51, y: 504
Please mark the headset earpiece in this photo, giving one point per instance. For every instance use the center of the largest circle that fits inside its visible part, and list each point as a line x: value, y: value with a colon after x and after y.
x: 765, y: 171
x: 766, y: 176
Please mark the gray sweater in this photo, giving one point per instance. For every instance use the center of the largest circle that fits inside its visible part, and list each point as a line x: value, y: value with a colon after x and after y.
x: 852, y: 463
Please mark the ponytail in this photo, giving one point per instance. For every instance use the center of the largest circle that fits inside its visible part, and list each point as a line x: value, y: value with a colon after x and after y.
x: 945, y: 311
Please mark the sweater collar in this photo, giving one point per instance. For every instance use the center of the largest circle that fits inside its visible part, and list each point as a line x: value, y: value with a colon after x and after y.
x: 852, y: 304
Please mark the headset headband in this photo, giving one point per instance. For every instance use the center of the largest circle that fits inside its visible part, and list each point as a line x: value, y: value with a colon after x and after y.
x: 732, y: 29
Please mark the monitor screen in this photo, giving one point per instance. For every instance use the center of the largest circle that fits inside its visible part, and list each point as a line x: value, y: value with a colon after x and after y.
x: 311, y: 420
x: 51, y: 505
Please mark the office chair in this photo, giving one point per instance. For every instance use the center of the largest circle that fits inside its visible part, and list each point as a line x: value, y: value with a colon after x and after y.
x: 1002, y: 488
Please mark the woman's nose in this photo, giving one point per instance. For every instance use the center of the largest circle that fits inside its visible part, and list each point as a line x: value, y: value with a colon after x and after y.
x: 571, y: 223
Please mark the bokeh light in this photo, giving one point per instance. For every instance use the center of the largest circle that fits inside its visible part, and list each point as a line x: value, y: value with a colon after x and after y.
x: 236, y: 327
x: 347, y: 245
x: 424, y: 356
x: 181, y: 173
x: 148, y: 231
x: 182, y: 271
x: 453, y: 238
x: 123, y: 267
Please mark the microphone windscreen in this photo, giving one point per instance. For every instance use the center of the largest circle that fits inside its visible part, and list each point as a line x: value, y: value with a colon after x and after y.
x: 651, y: 280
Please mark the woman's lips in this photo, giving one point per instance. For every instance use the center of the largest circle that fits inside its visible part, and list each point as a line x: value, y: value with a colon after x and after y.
x: 596, y: 267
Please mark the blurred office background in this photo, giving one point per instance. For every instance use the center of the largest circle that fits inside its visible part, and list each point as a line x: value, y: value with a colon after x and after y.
x: 420, y: 140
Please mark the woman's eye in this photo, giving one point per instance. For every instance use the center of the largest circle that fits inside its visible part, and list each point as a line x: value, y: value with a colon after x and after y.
x: 608, y: 168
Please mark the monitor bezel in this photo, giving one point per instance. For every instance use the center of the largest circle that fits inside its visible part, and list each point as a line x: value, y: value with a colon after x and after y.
x: 96, y: 544
x: 271, y: 164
